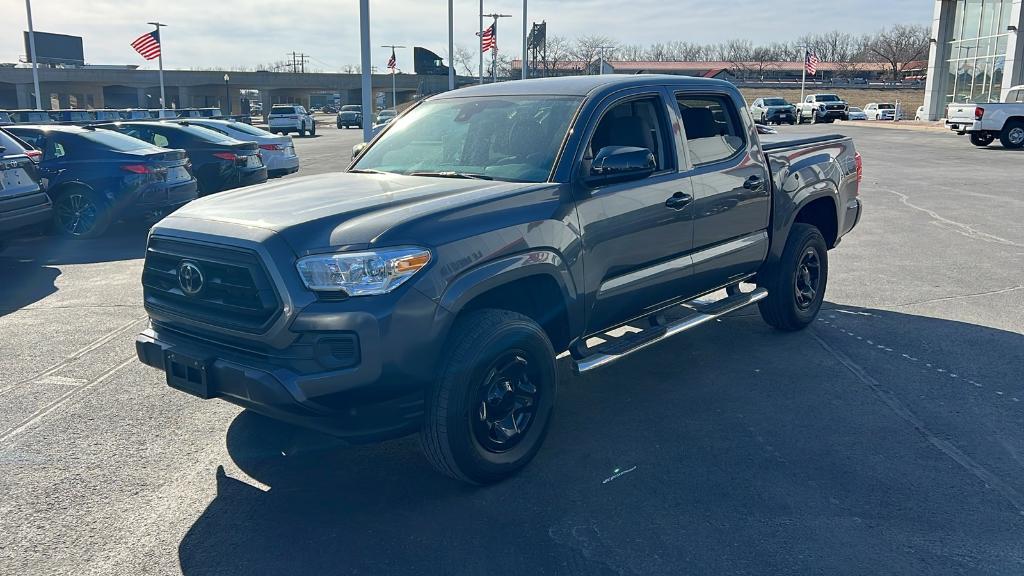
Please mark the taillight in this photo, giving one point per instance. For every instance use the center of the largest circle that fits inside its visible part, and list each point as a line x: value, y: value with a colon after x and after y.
x: 137, y: 169
x: 226, y: 156
x: 35, y: 155
x: 271, y: 147
x: 860, y: 166
x: 978, y: 112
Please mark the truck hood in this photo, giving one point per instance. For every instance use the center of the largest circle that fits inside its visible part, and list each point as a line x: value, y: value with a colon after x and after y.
x: 340, y: 209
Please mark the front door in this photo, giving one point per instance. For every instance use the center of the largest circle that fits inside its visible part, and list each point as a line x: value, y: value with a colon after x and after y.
x: 635, y: 244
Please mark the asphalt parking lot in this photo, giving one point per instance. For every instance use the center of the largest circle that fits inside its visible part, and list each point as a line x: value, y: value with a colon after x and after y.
x: 886, y: 439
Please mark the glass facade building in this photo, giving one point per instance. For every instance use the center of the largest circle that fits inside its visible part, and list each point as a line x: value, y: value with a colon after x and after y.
x: 975, y: 53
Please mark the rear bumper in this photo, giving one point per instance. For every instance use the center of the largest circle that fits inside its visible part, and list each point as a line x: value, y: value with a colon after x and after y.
x: 853, y: 212
x: 17, y: 214
x: 164, y: 197
x: 279, y: 164
x: 964, y: 126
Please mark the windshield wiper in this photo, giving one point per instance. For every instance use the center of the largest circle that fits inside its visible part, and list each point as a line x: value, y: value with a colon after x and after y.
x: 367, y: 171
x: 466, y: 175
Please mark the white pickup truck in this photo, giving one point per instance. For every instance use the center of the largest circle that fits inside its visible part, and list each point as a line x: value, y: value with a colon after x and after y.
x: 987, y: 121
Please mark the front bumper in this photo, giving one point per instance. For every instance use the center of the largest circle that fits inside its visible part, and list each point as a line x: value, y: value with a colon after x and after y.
x: 780, y: 116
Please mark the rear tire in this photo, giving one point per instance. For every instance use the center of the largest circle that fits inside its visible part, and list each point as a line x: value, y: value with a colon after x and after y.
x: 1012, y: 136
x: 796, y: 287
x: 488, y: 412
x: 981, y: 139
x: 312, y: 129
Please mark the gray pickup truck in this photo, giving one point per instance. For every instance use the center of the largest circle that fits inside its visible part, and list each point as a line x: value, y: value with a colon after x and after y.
x: 430, y: 287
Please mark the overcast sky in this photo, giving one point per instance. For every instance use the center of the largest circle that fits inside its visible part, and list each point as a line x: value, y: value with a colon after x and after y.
x: 227, y: 33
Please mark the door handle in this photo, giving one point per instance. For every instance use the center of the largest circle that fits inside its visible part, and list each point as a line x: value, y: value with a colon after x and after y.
x: 753, y: 183
x: 678, y: 201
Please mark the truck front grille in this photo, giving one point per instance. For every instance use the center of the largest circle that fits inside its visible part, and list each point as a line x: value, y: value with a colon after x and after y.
x: 231, y: 290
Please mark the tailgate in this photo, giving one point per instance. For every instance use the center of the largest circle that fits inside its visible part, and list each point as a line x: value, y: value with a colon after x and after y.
x: 18, y: 176
x: 963, y: 113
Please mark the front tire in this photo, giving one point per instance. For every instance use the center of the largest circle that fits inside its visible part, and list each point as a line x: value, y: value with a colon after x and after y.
x: 796, y: 288
x: 489, y: 410
x: 1012, y: 136
x: 981, y: 139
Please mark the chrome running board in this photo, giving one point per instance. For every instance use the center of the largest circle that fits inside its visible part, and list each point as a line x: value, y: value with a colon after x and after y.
x: 698, y: 312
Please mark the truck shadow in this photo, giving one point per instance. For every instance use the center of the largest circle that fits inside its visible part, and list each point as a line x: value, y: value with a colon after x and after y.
x: 380, y: 509
x: 29, y: 267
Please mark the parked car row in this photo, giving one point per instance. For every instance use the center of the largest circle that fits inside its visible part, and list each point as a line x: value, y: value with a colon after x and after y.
x: 81, y: 116
x: 81, y: 179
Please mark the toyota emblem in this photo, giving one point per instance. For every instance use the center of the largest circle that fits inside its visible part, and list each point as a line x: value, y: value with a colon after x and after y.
x: 190, y: 278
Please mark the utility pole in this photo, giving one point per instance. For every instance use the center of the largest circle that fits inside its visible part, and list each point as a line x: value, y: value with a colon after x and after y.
x: 394, y: 92
x: 494, y: 50
x: 32, y: 55
x: 160, y: 61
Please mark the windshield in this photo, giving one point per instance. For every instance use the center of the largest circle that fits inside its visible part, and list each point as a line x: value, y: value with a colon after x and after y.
x: 775, y: 102
x: 827, y: 98
x: 351, y: 108
x: 886, y: 106
x: 514, y: 139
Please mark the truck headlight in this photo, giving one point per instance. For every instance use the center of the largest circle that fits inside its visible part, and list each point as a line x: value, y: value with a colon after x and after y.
x: 362, y: 273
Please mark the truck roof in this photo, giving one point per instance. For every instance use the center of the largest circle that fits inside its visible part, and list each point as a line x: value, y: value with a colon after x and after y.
x: 583, y: 85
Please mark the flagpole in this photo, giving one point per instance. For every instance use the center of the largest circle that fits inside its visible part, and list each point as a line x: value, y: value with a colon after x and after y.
x: 803, y: 77
x: 394, y: 92
x: 494, y: 54
x: 525, y: 34
x: 481, y: 41
x: 160, y: 61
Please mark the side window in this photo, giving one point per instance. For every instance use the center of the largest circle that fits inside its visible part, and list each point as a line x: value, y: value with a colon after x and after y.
x: 809, y: 99
x: 638, y: 122
x: 713, y: 129
x: 757, y: 103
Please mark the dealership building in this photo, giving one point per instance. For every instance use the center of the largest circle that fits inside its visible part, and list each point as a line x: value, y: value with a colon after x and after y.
x: 977, y: 52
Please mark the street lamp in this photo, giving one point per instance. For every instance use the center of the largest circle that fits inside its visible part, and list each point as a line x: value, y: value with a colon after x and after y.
x: 227, y: 94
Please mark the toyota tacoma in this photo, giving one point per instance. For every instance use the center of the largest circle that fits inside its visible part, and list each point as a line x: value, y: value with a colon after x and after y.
x: 430, y: 287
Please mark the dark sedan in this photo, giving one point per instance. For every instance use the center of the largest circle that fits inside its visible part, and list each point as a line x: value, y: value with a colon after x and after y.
x: 96, y: 177
x: 218, y: 161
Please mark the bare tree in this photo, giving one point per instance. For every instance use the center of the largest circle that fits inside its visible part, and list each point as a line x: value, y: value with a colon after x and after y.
x: 900, y: 45
x: 557, y: 53
x: 589, y: 48
x: 464, y: 61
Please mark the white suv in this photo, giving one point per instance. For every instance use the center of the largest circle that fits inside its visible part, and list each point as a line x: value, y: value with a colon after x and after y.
x: 285, y: 118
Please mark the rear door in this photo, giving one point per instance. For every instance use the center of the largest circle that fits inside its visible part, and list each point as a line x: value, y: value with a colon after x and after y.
x: 731, y: 189
x: 634, y: 244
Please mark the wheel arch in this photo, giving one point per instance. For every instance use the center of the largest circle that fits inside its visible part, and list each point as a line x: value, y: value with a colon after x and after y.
x: 536, y: 284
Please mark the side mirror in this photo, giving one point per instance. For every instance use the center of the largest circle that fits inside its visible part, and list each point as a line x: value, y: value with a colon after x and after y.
x: 620, y: 164
x: 358, y: 148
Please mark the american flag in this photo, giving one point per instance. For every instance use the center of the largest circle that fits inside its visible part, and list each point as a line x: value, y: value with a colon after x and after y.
x: 811, y: 63
x: 489, y: 39
x: 392, y: 62
x: 148, y: 45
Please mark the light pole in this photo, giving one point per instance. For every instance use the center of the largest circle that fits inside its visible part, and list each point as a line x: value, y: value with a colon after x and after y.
x: 32, y: 55
x: 451, y: 46
x: 600, y: 62
x: 525, y: 34
x: 394, y: 92
x: 227, y: 94
x: 366, y: 68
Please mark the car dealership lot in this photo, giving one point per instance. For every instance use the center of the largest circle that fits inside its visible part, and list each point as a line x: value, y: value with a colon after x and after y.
x: 887, y: 438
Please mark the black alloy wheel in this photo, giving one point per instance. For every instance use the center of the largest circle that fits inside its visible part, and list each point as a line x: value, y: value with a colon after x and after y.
x: 807, y: 280
x: 506, y: 402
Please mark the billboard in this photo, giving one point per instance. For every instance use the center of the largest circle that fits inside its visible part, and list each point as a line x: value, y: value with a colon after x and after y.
x: 426, y: 62
x: 56, y: 49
